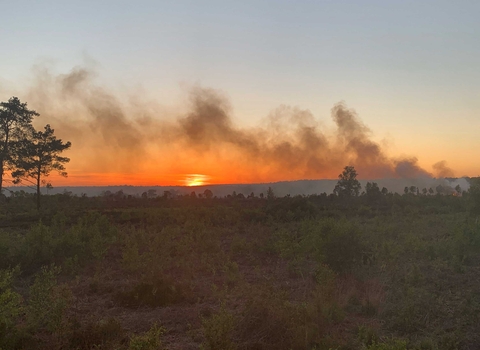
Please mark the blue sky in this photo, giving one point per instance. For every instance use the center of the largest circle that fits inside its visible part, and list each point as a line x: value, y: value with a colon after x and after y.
x: 409, y: 68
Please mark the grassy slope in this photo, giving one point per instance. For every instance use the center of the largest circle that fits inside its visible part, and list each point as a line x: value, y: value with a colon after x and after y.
x: 292, y: 273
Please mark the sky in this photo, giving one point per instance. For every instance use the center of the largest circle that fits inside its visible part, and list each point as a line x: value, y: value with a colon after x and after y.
x: 407, y: 71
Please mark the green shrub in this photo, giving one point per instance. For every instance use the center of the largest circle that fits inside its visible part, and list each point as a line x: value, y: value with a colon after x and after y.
x: 218, y: 331
x: 11, y: 308
x: 148, y: 341
x: 47, y: 301
x: 88, y: 239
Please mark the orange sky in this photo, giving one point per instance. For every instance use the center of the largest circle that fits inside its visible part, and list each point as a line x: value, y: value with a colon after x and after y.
x: 248, y: 92
x: 121, y: 141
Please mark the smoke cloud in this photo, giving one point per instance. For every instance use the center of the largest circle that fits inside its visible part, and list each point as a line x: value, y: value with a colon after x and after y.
x: 443, y: 170
x: 110, y: 135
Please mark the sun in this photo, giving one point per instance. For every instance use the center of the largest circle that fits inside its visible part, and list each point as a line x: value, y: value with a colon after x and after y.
x: 196, y: 180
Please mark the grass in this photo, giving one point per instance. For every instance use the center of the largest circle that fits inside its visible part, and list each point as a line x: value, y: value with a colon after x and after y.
x: 286, y: 273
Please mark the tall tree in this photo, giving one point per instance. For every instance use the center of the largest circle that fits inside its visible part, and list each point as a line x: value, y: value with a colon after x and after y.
x: 347, y: 185
x: 15, y: 123
x: 37, y: 156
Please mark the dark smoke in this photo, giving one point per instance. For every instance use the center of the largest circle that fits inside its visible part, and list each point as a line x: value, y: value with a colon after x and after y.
x: 90, y: 117
x: 442, y: 170
x: 293, y: 143
x: 110, y: 135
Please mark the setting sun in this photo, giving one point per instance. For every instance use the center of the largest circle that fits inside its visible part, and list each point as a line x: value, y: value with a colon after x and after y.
x: 196, y: 180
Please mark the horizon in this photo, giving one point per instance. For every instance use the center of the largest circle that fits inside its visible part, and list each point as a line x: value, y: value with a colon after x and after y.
x: 281, y: 188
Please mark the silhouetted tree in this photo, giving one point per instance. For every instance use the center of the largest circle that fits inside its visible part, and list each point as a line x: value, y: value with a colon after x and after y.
x: 347, y: 185
x: 270, y: 194
x: 406, y: 190
x: 15, y: 122
x: 208, y: 194
x: 48, y: 186
x: 37, y: 156
x: 413, y: 189
x: 106, y: 194
x: 424, y: 191
x: 384, y: 191
x: 119, y: 195
x: 430, y: 190
x: 151, y: 193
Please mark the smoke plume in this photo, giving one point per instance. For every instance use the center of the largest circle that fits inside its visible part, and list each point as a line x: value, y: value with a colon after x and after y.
x: 110, y: 135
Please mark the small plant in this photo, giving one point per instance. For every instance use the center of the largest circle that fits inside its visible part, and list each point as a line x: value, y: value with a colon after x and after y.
x: 218, y: 331
x: 148, y: 341
x: 367, y: 336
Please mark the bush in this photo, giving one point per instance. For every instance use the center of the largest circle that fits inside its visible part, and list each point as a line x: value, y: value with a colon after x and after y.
x: 10, y: 307
x: 47, y: 301
x: 148, y: 341
x: 218, y: 331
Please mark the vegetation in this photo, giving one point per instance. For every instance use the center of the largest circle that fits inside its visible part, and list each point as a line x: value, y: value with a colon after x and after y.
x: 29, y: 154
x: 37, y: 156
x: 348, y: 185
x: 349, y: 270
x: 15, y: 124
x: 377, y: 271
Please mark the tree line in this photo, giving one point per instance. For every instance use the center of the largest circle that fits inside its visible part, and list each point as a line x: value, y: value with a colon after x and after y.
x: 26, y: 154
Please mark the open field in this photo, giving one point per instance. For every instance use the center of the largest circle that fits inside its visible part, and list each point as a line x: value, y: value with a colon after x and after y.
x: 316, y: 272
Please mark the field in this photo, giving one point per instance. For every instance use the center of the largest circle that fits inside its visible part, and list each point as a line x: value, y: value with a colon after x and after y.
x: 319, y: 272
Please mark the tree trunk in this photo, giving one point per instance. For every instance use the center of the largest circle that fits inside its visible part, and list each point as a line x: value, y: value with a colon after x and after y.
x: 1, y: 177
x: 38, y: 192
x: 3, y: 158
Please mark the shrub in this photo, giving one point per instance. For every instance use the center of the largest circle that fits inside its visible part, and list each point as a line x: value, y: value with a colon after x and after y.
x: 10, y: 307
x: 47, y: 301
x: 218, y: 331
x: 148, y: 341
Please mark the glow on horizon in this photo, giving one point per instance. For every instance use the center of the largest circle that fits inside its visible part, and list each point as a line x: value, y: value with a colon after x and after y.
x: 192, y: 180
